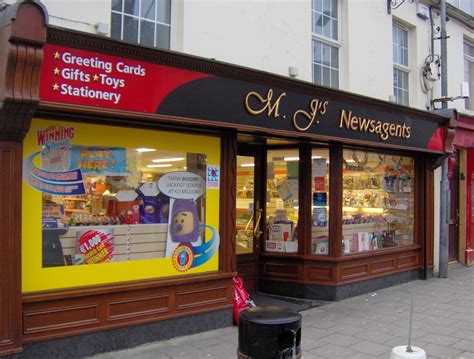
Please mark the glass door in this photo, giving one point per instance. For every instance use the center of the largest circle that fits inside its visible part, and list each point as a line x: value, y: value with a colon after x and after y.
x: 248, y: 221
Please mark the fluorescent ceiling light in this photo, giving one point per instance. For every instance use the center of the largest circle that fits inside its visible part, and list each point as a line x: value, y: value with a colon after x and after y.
x: 160, y: 166
x: 290, y: 159
x: 350, y: 161
x: 143, y: 149
x: 174, y: 159
x: 247, y: 165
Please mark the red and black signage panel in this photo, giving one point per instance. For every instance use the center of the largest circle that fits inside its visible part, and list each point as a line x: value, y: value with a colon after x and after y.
x: 98, y: 80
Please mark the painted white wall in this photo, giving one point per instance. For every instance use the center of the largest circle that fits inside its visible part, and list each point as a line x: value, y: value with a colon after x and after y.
x: 80, y: 15
x: 262, y: 34
x: 367, y: 49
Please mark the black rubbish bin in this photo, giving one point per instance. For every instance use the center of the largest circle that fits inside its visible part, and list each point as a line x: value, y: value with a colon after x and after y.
x: 269, y: 332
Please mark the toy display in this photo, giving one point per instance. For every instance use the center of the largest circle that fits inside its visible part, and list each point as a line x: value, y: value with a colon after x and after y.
x: 184, y: 221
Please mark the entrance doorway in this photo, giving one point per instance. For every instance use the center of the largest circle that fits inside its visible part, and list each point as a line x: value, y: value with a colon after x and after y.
x: 248, y: 217
x: 454, y: 208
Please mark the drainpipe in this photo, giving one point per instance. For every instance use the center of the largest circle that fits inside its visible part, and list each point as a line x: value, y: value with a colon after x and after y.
x: 444, y: 185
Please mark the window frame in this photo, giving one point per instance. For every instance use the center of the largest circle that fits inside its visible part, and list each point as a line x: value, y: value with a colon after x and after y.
x: 335, y: 213
x: 327, y: 41
x: 404, y: 68
x: 139, y: 18
x: 469, y: 103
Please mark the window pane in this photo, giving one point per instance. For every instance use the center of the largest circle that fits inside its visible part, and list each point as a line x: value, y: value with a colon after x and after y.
x: 327, y: 7
x: 318, y: 5
x: 334, y: 57
x: 335, y: 79
x: 317, y: 23
x: 282, y: 200
x: 326, y: 76
x: 116, y: 26
x: 317, y: 55
x: 162, y: 36
x: 335, y: 34
x: 95, y: 227
x: 378, y: 201
x: 130, y: 29
x: 147, y: 33
x: 245, y: 204
x: 468, y: 50
x: 334, y: 9
x: 405, y: 57
x: 326, y: 26
x: 117, y: 5
x: 164, y: 11
x: 317, y: 76
x: 130, y: 7
x: 326, y: 51
x: 148, y: 9
x: 320, y: 201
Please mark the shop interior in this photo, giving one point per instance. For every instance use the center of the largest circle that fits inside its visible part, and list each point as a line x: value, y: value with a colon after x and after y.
x: 378, y: 200
x: 122, y: 196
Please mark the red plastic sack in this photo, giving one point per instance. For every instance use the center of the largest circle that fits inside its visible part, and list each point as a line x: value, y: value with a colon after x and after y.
x: 241, y: 298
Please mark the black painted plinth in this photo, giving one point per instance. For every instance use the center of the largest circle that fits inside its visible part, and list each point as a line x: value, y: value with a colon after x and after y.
x: 81, y: 346
x: 335, y: 293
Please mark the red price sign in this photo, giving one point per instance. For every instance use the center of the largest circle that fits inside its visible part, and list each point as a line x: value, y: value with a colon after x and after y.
x: 96, y: 245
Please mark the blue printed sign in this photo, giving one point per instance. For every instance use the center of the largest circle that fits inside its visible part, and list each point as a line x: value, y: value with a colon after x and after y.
x: 99, y: 160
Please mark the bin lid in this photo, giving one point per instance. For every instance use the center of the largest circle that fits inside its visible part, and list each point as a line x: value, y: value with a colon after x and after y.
x: 269, y: 315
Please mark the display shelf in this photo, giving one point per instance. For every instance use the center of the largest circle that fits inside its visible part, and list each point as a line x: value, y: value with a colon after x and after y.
x: 76, y: 210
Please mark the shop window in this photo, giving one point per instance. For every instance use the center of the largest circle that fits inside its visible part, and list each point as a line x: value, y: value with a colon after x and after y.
x: 320, y: 201
x: 133, y: 203
x: 401, y: 68
x: 145, y: 22
x: 245, y: 211
x: 325, y: 32
x: 282, y: 201
x: 378, y: 201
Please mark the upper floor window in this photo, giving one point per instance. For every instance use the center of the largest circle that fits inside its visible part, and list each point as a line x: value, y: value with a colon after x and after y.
x: 400, y: 64
x: 465, y: 5
x: 145, y: 22
x: 325, y: 19
x: 469, y: 72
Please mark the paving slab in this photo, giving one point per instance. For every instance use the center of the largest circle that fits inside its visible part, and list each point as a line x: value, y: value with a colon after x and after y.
x: 367, y: 326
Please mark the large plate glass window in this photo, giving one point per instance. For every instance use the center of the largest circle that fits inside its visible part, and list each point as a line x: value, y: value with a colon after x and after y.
x: 282, y: 201
x: 378, y: 201
x: 325, y: 58
x: 320, y: 201
x: 145, y: 22
x: 105, y: 204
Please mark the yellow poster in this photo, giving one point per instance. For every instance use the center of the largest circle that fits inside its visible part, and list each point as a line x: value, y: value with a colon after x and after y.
x: 107, y: 204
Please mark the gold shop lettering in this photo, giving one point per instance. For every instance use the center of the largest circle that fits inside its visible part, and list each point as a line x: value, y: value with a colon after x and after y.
x: 315, y: 107
x: 366, y: 125
x: 272, y: 110
x: 271, y: 107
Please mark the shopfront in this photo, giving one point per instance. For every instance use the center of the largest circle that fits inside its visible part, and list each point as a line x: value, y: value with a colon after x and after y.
x: 461, y: 180
x: 139, y: 182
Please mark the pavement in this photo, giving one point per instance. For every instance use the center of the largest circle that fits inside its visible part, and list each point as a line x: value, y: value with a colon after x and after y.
x: 367, y: 326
